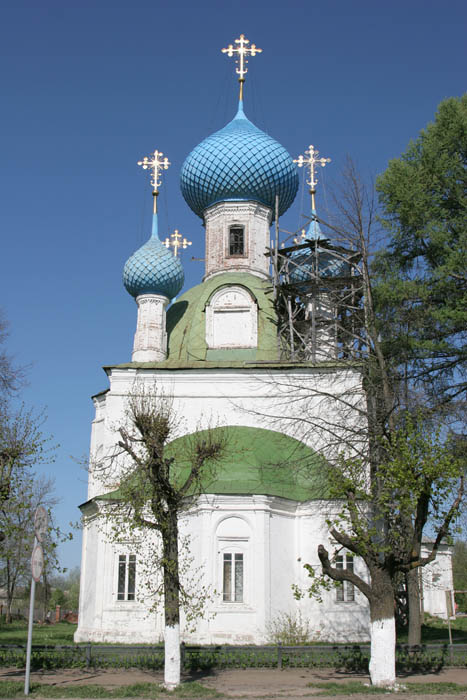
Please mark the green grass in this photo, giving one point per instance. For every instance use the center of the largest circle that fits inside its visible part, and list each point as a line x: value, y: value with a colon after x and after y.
x: 435, y: 629
x: 355, y: 687
x: 17, y: 633
x: 190, y: 689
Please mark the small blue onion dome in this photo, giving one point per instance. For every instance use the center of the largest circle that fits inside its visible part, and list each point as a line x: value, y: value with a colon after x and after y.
x: 239, y: 162
x: 153, y: 269
x: 329, y: 263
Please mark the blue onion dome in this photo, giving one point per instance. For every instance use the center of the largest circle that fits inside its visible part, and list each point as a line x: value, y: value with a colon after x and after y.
x: 239, y: 162
x: 329, y: 263
x: 153, y: 269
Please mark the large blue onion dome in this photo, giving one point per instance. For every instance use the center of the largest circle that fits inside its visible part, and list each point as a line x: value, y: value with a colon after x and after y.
x: 303, y: 264
x: 239, y: 162
x: 153, y: 269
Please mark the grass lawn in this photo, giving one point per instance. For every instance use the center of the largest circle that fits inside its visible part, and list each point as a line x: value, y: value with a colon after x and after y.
x: 357, y: 688
x: 190, y: 689
x: 17, y: 633
x: 193, y: 689
x: 436, y: 630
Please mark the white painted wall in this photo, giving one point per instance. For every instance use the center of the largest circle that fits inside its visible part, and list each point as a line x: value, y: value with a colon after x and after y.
x: 276, y: 535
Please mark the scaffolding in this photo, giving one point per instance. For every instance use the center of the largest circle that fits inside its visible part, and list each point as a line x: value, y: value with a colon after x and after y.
x: 317, y: 290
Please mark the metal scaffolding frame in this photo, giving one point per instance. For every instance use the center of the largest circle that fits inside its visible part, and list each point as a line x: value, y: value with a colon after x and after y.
x: 317, y: 297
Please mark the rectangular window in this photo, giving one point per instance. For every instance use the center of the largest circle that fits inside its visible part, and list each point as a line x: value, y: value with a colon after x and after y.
x: 346, y: 590
x: 126, y: 577
x: 233, y: 578
x: 236, y: 240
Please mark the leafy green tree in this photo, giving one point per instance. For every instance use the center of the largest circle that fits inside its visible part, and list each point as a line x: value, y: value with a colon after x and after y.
x: 65, y: 590
x: 387, y: 505
x: 27, y: 492
x: 58, y: 597
x: 393, y: 473
x: 422, y: 289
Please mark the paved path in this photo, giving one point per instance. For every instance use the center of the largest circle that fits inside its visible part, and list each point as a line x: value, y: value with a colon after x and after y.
x: 249, y: 684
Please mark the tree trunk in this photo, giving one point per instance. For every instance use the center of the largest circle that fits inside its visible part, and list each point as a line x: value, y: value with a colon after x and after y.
x: 171, y: 603
x: 382, y: 630
x: 8, y: 611
x: 9, y: 592
x: 413, y: 605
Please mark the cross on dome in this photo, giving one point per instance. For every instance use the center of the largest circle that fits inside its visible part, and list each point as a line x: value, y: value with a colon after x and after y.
x: 176, y: 241
x: 156, y: 164
x: 242, y: 51
x: 310, y: 163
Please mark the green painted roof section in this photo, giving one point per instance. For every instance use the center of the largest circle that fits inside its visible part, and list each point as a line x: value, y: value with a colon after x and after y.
x: 186, y: 322
x: 186, y: 330
x: 256, y: 462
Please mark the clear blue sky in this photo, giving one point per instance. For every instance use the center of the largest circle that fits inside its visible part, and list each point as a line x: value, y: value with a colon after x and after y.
x: 89, y: 87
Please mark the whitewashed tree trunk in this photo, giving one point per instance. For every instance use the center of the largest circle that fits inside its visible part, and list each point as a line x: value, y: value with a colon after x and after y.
x: 172, y: 656
x: 383, y: 652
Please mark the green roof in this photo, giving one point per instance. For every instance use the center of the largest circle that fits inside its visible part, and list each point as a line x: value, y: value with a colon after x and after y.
x: 256, y: 462
x: 186, y: 322
x: 186, y: 331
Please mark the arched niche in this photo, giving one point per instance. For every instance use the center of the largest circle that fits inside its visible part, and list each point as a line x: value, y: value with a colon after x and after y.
x: 231, y: 319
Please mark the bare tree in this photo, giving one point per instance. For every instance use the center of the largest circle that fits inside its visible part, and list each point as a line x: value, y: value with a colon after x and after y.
x: 155, y: 488
x: 391, y: 473
x: 11, y: 375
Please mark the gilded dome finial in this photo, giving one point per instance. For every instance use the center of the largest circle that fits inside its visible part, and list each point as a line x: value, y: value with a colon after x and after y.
x: 156, y: 164
x: 242, y: 51
x: 176, y: 241
x: 310, y: 161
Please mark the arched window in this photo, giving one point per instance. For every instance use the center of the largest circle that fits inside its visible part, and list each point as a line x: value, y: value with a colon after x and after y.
x: 233, y: 542
x: 236, y: 240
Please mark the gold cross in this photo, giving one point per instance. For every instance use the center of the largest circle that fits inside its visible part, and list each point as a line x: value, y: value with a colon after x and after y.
x: 310, y: 163
x: 176, y: 241
x: 156, y: 163
x: 300, y: 238
x: 243, y: 51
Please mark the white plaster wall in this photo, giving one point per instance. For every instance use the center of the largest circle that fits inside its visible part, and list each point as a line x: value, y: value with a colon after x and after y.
x: 437, y: 579
x: 284, y: 401
x: 331, y: 620
x: 103, y: 618
x: 282, y: 534
x: 270, y: 532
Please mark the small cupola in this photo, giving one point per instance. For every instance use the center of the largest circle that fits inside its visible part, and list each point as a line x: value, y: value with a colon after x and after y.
x: 153, y: 275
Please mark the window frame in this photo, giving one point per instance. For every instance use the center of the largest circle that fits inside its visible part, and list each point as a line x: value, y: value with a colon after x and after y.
x: 230, y: 229
x: 126, y: 562
x: 235, y: 595
x: 345, y: 590
x: 233, y: 546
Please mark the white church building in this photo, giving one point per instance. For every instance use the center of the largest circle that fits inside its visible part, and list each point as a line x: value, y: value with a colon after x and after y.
x: 215, y: 351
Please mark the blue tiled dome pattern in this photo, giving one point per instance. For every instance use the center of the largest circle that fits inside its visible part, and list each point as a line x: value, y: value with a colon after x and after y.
x: 329, y: 264
x: 239, y: 162
x: 153, y: 269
